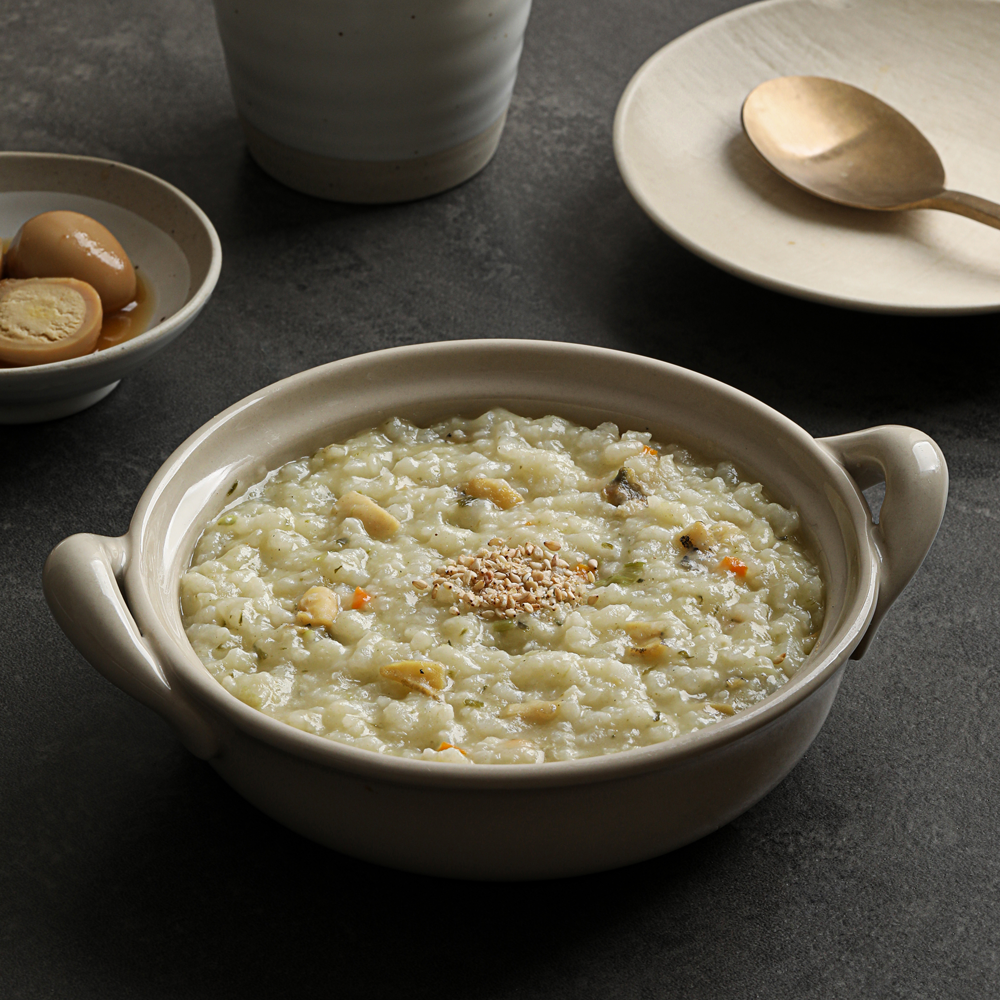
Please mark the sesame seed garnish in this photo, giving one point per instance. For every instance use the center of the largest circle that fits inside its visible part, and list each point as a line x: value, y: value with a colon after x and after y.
x: 503, y: 581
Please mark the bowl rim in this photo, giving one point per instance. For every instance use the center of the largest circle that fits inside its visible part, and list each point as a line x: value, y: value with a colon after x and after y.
x: 144, y: 340
x: 206, y: 692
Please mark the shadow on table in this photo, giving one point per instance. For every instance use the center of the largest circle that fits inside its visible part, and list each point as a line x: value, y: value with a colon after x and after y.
x: 218, y: 901
x: 774, y: 346
x: 665, y: 302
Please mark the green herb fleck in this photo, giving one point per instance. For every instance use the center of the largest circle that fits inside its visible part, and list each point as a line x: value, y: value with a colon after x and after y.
x: 232, y: 489
x: 472, y: 703
x: 227, y: 519
x: 506, y: 626
x: 629, y: 575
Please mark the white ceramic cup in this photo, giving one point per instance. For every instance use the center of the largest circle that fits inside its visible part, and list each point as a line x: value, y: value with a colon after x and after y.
x: 372, y: 100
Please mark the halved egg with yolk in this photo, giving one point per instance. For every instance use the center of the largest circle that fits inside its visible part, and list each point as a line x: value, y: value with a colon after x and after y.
x: 71, y: 245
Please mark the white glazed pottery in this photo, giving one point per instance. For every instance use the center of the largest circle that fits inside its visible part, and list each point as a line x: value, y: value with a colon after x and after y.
x: 682, y: 152
x: 164, y: 233
x: 372, y: 100
x: 117, y: 599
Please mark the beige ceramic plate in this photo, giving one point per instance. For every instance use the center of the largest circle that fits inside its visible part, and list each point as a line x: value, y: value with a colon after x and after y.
x: 683, y: 155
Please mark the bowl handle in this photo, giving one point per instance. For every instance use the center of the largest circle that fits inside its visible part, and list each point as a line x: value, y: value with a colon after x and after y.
x: 80, y: 581
x: 916, y: 488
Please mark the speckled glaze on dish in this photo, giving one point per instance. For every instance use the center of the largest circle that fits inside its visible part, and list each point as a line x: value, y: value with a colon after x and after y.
x: 117, y: 599
x: 161, y: 229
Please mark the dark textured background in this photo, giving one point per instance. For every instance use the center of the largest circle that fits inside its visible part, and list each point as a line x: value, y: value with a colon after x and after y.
x: 129, y: 870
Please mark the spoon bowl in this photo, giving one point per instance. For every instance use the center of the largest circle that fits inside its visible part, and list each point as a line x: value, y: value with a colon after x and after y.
x: 845, y: 145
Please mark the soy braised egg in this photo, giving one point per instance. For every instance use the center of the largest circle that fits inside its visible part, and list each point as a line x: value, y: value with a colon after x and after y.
x: 71, y: 245
x: 47, y: 319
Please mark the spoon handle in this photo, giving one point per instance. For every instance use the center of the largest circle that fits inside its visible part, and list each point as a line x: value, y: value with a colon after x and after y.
x: 969, y: 205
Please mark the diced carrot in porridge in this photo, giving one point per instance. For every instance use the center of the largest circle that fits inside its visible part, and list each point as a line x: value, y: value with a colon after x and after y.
x: 360, y: 600
x: 734, y: 565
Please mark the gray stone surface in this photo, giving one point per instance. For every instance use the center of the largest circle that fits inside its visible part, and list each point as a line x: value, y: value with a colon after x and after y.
x: 128, y: 870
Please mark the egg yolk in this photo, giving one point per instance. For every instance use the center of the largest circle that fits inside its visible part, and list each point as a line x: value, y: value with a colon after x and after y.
x: 47, y: 319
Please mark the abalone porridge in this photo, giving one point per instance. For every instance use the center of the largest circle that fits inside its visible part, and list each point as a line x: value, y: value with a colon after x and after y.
x: 502, y: 590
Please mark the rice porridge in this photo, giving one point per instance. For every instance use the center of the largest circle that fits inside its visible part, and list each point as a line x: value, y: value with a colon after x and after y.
x: 502, y: 590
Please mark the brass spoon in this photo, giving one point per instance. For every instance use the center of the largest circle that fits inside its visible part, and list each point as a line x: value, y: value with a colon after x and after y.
x: 845, y: 145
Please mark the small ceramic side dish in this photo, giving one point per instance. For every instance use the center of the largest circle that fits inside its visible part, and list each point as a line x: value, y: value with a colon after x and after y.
x: 165, y: 234
x: 118, y: 600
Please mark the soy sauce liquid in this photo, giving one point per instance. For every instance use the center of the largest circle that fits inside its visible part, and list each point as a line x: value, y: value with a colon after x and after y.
x: 130, y: 320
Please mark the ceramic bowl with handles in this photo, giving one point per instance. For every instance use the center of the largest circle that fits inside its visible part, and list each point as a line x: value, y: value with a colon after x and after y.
x: 117, y: 599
